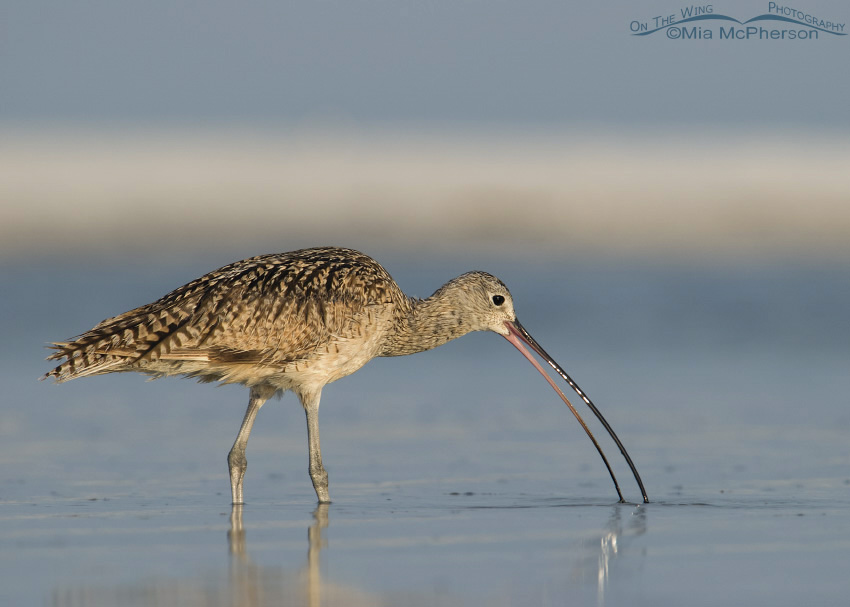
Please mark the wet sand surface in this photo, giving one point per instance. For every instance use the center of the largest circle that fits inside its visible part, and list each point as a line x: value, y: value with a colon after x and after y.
x: 458, y: 478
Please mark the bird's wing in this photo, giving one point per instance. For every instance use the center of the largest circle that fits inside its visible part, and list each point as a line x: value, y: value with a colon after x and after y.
x: 267, y: 310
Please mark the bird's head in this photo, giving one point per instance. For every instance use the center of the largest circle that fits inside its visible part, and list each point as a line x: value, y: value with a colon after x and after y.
x: 481, y: 302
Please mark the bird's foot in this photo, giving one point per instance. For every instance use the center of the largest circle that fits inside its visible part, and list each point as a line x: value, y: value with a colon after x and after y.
x: 320, y: 484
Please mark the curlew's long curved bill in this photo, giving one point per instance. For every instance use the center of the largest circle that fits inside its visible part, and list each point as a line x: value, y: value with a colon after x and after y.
x: 519, y: 337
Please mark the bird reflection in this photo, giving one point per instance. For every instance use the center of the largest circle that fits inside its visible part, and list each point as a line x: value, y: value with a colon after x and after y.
x: 601, y: 552
x: 247, y: 580
x: 603, y: 558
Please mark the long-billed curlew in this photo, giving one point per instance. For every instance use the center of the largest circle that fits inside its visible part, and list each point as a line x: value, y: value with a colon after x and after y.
x: 297, y: 321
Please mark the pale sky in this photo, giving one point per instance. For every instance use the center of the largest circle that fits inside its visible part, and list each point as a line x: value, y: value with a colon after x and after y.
x: 485, y: 64
x: 261, y: 125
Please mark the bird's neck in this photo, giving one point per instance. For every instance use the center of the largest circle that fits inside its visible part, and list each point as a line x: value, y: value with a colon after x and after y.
x: 425, y: 324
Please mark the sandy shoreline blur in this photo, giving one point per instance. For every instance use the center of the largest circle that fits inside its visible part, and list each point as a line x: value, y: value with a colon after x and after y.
x: 89, y: 193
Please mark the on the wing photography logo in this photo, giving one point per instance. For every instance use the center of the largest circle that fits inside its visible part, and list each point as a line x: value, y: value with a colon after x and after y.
x: 701, y: 22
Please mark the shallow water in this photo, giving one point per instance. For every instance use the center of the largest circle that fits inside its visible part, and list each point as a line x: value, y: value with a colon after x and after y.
x: 458, y: 478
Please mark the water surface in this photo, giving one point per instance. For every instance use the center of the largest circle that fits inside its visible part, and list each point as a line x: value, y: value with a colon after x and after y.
x: 458, y: 478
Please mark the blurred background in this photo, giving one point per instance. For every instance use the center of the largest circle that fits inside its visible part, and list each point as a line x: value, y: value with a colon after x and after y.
x: 672, y: 217
x: 532, y: 129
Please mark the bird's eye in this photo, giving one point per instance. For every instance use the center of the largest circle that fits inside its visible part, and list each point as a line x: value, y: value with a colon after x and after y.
x: 498, y: 300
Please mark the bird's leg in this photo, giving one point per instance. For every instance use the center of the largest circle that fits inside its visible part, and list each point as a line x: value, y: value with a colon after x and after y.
x: 236, y: 460
x: 318, y: 474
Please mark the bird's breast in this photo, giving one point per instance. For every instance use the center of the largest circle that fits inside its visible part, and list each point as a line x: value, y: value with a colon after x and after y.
x: 342, y: 353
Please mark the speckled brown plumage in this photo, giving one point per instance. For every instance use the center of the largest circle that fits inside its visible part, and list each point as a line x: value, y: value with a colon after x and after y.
x: 248, y: 322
